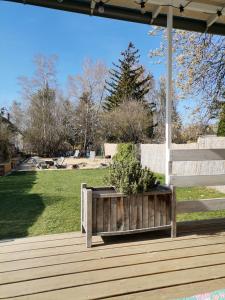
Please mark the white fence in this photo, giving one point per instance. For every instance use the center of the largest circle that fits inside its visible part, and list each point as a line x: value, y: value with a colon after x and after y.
x: 153, y: 156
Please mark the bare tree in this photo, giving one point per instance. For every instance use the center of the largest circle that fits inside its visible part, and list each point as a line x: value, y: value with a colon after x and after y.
x: 66, y: 124
x: 87, y: 122
x: 159, y: 132
x: 41, y: 109
x: 87, y: 90
x: 91, y: 81
x: 192, y: 132
x: 42, y: 125
x: 17, y: 115
x: 44, y: 74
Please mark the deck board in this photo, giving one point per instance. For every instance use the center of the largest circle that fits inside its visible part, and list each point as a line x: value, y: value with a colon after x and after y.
x: 60, y: 266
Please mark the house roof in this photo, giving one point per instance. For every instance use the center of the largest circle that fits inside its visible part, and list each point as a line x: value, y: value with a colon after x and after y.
x: 194, y: 15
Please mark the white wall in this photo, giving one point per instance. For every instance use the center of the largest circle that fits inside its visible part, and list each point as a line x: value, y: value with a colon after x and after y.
x: 153, y: 157
x: 110, y: 149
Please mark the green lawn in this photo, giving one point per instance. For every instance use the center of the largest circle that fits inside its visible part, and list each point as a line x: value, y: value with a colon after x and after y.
x: 35, y: 203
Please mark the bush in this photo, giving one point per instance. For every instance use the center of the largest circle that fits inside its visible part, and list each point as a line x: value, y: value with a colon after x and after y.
x: 127, y: 174
x: 125, y: 152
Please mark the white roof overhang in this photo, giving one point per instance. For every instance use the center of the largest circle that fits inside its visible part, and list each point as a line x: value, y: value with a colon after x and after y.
x: 193, y: 15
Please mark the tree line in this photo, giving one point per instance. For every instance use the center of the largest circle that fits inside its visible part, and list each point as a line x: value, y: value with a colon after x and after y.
x: 123, y: 104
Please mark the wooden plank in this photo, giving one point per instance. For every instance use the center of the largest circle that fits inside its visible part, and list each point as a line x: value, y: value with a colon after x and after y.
x: 89, y: 219
x: 41, y: 239
x: 175, y: 292
x: 204, y: 205
x: 168, y: 211
x: 120, y: 214
x: 104, y: 275
x: 163, y: 210
x: 139, y: 211
x: 197, y: 154
x: 100, y: 215
x: 67, y: 255
x: 133, y: 212
x: 106, y: 214
x: 126, y: 203
x: 78, y: 267
x: 197, y: 180
x: 94, y: 215
x: 157, y: 211
x: 67, y: 266
x: 42, y: 245
x: 145, y: 212
x: 113, y: 213
x: 151, y: 210
x: 115, y: 287
x: 161, y: 191
x: 80, y: 253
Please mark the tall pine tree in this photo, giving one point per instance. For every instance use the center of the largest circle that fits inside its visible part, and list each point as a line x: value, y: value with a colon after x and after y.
x: 127, y: 80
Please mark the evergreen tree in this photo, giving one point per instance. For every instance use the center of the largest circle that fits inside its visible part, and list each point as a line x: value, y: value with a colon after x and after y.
x: 127, y: 81
x: 221, y: 125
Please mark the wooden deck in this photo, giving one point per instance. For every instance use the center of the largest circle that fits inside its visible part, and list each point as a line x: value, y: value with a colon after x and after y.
x: 59, y: 267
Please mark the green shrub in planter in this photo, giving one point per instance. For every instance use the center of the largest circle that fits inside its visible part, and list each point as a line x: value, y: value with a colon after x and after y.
x: 127, y: 174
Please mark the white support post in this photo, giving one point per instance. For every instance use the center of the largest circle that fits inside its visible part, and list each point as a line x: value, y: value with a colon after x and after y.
x: 169, y: 93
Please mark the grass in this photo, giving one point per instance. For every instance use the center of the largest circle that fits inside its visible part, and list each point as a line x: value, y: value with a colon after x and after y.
x: 36, y: 203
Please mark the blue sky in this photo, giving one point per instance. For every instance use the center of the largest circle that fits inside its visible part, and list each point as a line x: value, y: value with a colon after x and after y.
x: 28, y: 30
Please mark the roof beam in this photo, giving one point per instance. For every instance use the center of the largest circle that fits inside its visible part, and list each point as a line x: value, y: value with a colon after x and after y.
x: 212, y: 20
x: 93, y: 4
x: 155, y: 13
x: 126, y: 14
x: 193, y: 6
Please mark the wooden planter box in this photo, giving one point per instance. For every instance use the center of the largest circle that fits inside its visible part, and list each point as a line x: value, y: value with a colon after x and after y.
x: 105, y: 212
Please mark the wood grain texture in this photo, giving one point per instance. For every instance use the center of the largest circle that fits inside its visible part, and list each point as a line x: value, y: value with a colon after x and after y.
x: 145, y: 212
x: 126, y: 203
x: 127, y: 270
x: 131, y: 213
x: 89, y: 219
x: 106, y: 213
x: 113, y: 214
x: 99, y: 214
x: 120, y: 214
x: 152, y: 210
